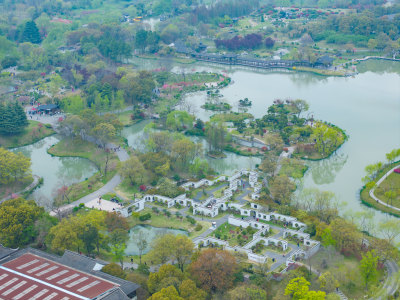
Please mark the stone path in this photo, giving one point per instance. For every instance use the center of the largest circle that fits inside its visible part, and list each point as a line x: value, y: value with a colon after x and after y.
x: 371, y: 192
x: 28, y: 188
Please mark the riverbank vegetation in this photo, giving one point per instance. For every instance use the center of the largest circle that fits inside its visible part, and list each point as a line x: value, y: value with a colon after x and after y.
x: 105, y: 160
x: 15, y: 172
x: 387, y: 191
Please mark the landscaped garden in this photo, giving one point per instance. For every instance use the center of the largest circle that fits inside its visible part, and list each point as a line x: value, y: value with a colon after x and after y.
x: 234, y: 235
x: 166, y: 219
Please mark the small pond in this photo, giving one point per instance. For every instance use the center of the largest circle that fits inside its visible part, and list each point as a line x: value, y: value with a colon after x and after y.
x: 150, y: 233
x: 55, y: 171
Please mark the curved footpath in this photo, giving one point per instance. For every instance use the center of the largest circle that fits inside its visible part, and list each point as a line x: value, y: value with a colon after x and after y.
x: 28, y: 188
x: 371, y: 192
x: 107, y: 188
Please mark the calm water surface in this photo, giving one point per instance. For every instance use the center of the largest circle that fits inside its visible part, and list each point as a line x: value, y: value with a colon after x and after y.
x: 149, y: 233
x: 366, y: 106
x: 56, y: 171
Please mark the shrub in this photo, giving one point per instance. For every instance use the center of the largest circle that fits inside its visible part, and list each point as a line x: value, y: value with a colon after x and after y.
x: 48, y: 126
x: 198, y: 227
x: 145, y: 217
x: 114, y: 269
x: 144, y: 269
x: 191, y: 220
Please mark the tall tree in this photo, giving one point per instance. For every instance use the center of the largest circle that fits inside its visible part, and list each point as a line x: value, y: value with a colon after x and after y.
x: 31, y: 33
x: 133, y: 170
x: 368, y: 267
x: 214, y: 269
x: 17, y: 219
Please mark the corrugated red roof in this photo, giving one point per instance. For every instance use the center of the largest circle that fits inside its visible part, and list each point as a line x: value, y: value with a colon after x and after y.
x: 30, y: 276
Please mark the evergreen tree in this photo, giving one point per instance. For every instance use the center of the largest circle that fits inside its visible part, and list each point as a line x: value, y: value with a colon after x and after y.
x: 31, y: 33
x: 20, y: 117
x: 12, y: 119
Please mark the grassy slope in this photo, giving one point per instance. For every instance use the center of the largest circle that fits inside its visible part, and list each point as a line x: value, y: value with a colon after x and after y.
x: 30, y: 135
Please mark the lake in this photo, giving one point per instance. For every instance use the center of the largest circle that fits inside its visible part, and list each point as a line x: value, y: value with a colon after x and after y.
x: 55, y: 171
x: 367, y: 107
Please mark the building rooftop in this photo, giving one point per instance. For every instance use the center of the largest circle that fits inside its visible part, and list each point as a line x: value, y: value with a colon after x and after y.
x: 33, y: 274
x: 47, y: 107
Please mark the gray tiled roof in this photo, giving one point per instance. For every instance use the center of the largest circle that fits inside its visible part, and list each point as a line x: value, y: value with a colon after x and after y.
x: 6, y: 251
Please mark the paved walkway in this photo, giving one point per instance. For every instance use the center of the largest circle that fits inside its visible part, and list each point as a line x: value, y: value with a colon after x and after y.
x: 107, y: 188
x: 392, y: 282
x: 28, y: 188
x: 283, y: 155
x: 371, y: 192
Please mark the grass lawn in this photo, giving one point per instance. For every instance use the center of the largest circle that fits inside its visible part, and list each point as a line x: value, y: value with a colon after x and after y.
x: 126, y: 190
x: 379, y: 192
x: 173, y: 222
x: 30, y: 135
x: 276, y: 249
x: 78, y: 148
x: 391, y: 183
x: 125, y: 118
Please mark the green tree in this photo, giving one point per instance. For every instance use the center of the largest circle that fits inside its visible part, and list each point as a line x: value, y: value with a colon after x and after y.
x: 14, y: 167
x: 114, y: 270
x: 281, y: 189
x: 17, y: 219
x: 216, y: 137
x: 132, y: 169
x: 189, y: 290
x: 13, y: 119
x: 368, y: 268
x: 179, y: 120
x: 246, y: 292
x: 168, y: 293
x: 64, y: 236
x: 393, y: 155
x: 104, y: 133
x: 166, y: 275
x: 328, y: 282
x: 31, y: 33
x: 298, y: 288
x: 118, y: 251
x: 183, y: 250
x: 326, y: 138
x: 90, y: 237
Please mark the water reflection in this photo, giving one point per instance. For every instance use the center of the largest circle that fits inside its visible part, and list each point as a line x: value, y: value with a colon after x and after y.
x: 325, y: 171
x: 55, y: 171
x: 150, y: 233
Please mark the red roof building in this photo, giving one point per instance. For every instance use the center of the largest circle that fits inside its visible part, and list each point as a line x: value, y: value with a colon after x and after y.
x: 32, y: 274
